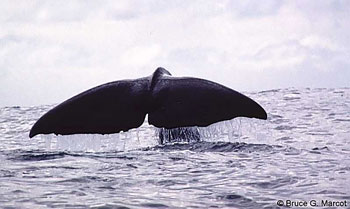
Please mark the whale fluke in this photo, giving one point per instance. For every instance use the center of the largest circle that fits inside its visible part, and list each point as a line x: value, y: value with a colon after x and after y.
x: 170, y: 102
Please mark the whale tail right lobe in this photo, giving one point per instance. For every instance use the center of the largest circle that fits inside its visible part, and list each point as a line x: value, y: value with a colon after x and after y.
x: 184, y: 102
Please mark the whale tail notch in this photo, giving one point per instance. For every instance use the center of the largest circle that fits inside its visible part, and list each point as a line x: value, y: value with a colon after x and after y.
x: 170, y: 102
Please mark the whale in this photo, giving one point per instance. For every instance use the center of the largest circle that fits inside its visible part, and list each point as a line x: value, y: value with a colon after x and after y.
x: 170, y: 103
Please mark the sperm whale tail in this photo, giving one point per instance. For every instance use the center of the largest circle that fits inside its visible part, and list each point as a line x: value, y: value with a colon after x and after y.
x: 170, y: 102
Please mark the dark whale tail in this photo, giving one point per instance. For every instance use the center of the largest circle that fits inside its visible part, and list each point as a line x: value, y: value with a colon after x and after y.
x: 170, y: 102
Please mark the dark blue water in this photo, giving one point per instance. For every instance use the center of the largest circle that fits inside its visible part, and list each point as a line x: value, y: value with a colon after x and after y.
x: 301, y: 153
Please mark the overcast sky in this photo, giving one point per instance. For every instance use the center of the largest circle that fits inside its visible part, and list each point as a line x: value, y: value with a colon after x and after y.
x: 52, y: 50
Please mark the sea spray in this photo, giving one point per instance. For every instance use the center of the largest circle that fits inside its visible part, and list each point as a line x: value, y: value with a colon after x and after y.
x: 133, y: 139
x: 235, y: 130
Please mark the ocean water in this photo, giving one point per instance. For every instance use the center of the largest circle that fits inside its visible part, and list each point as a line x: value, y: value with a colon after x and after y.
x: 300, y: 154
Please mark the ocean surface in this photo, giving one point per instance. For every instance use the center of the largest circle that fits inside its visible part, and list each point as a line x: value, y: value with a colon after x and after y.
x: 301, y: 153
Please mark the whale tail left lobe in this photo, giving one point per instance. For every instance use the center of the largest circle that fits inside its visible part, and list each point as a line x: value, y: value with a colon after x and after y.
x: 109, y: 108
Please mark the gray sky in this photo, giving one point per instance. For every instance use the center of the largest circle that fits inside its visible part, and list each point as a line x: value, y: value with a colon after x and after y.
x: 52, y: 50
